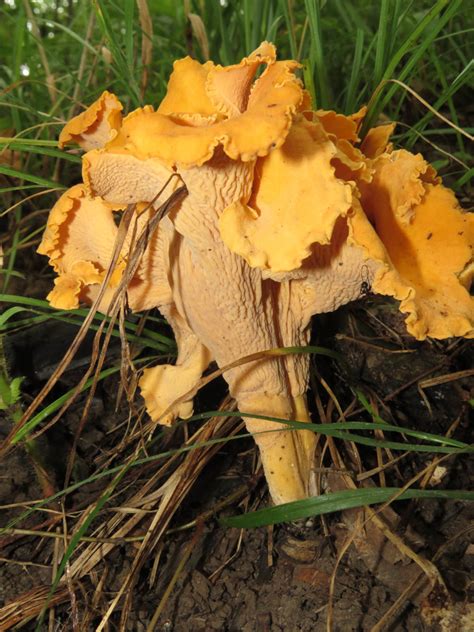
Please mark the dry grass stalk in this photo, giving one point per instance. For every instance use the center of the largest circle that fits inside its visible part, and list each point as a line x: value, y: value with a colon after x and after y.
x: 50, y: 82
x: 146, y: 25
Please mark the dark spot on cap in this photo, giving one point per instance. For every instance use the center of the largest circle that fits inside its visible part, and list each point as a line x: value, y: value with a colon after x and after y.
x: 272, y: 105
x: 429, y: 235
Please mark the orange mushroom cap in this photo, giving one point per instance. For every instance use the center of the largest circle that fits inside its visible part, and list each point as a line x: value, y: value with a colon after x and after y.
x: 97, y: 125
x: 79, y: 241
x: 248, y: 119
x: 295, y: 202
x: 287, y: 215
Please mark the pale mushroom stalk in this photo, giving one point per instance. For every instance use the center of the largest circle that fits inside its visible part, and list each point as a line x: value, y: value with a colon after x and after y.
x: 234, y: 311
x: 287, y: 216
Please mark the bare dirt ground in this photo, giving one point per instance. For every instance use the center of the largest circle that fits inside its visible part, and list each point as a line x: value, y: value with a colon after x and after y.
x: 207, y: 577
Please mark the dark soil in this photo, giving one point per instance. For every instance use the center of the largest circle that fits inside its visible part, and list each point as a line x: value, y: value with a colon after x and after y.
x: 267, y: 579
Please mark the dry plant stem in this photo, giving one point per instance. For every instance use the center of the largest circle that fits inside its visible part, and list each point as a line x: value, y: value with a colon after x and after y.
x: 97, y: 550
x: 30, y: 216
x: 82, y: 65
x: 213, y: 576
x: 435, y: 146
x: 67, y: 571
x: 117, y: 303
x: 50, y: 83
x: 425, y: 103
x: 192, y: 467
x: 172, y: 493
x: 141, y: 244
x: 429, y: 570
x: 54, y: 568
x: 414, y: 586
x: 146, y: 25
x: 176, y: 575
x: 449, y: 377
x: 29, y: 605
x: 25, y: 563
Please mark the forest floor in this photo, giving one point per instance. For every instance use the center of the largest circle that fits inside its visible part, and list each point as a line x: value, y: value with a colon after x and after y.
x: 269, y: 579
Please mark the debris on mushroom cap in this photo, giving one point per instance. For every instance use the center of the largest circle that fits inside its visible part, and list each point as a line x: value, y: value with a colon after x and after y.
x: 399, y: 183
x: 95, y: 126
x: 287, y: 215
x: 431, y: 254
x: 185, y: 141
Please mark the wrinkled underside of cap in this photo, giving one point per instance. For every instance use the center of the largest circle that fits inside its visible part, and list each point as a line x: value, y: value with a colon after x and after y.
x: 122, y: 178
x: 79, y: 241
x: 95, y: 126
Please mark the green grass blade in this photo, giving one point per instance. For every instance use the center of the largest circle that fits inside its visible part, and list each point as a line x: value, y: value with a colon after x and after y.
x: 316, y: 52
x: 248, y: 4
x: 14, y: 173
x: 286, y: 10
x: 430, y: 26
x: 56, y: 405
x: 125, y: 72
x: 17, y: 56
x: 128, y: 19
x: 150, y: 337
x: 382, y: 49
x: 338, y: 501
x: 354, y: 80
x: 43, y: 151
x: 224, y: 50
x: 340, y: 430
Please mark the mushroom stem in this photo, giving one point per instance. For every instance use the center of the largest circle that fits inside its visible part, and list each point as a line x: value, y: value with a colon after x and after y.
x: 287, y: 455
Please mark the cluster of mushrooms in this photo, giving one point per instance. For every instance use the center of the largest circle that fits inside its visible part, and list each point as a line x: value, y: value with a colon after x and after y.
x: 287, y: 215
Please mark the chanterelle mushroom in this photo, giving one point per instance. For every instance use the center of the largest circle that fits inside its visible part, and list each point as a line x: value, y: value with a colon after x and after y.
x: 286, y: 216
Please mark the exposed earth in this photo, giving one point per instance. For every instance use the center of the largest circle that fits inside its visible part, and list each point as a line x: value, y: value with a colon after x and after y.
x: 265, y: 579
